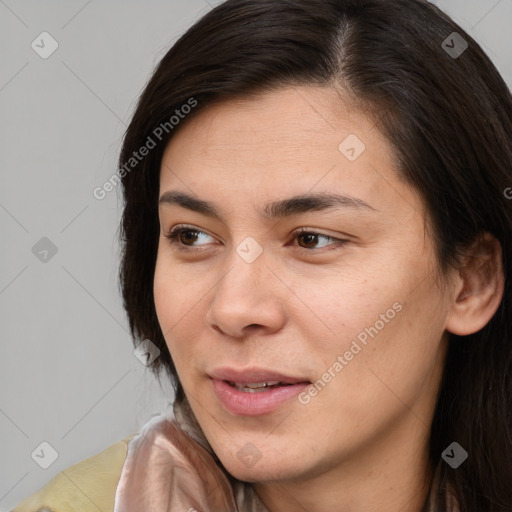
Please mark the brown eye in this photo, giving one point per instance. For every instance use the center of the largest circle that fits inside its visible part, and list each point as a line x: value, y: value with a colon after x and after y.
x: 311, y: 238
x: 184, y: 237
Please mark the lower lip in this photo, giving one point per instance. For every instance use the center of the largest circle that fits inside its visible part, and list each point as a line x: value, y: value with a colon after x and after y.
x: 254, y: 404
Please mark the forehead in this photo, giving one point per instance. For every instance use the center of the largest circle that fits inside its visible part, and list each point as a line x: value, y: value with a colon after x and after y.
x: 283, y: 142
x: 292, y: 116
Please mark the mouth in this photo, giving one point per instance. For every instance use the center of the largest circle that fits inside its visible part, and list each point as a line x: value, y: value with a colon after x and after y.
x: 254, y: 377
x: 255, y: 391
x: 257, y: 387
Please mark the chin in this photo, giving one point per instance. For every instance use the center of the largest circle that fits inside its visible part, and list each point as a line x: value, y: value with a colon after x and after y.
x: 261, y: 470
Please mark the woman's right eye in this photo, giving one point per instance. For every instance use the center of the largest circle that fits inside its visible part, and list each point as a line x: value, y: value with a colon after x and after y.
x: 175, y: 236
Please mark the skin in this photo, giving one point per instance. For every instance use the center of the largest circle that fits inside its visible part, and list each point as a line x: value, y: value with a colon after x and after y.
x: 360, y: 444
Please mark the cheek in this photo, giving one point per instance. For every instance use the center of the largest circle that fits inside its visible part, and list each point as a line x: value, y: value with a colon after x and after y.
x: 175, y: 293
x: 178, y: 310
x: 389, y: 360
x: 163, y: 292
x: 390, y: 320
x: 169, y: 310
x: 350, y: 309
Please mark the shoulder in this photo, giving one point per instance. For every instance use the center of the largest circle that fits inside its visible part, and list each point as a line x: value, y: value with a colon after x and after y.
x: 89, y: 485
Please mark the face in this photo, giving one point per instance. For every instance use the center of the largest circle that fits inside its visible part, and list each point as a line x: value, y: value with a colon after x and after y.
x: 336, y: 302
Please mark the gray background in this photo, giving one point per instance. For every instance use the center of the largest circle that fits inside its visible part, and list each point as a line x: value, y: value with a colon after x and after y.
x: 69, y: 374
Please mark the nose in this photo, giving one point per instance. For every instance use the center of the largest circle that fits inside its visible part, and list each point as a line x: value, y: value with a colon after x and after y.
x: 247, y: 298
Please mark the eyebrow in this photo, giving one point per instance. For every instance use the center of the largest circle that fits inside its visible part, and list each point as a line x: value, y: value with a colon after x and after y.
x: 295, y: 205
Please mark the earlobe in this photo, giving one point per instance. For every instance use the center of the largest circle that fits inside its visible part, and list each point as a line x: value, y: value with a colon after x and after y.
x: 479, y: 289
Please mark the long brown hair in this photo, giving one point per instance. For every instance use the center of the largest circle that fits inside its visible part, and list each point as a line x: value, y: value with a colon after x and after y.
x: 446, y: 112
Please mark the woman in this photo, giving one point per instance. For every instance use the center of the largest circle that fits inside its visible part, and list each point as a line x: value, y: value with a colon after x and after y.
x: 317, y: 238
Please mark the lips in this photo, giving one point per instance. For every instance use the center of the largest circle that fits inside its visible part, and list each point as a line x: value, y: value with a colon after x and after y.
x: 256, y: 402
x: 255, y: 391
x: 254, y: 376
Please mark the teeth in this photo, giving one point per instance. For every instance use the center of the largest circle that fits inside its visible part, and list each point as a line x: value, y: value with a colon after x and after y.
x: 254, y: 387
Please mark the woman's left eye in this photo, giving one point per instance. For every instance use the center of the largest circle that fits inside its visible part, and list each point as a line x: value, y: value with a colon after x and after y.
x: 311, y: 237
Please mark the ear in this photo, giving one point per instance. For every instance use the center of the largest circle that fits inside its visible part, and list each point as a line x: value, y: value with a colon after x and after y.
x: 479, y: 287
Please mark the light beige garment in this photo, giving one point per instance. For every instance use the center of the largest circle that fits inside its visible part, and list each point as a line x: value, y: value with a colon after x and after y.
x: 167, y: 467
x: 170, y: 466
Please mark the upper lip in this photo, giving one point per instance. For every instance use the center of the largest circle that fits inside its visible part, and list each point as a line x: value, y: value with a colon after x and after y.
x: 253, y: 375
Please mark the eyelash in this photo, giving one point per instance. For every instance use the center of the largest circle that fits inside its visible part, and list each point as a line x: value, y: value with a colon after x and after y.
x: 174, y: 234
